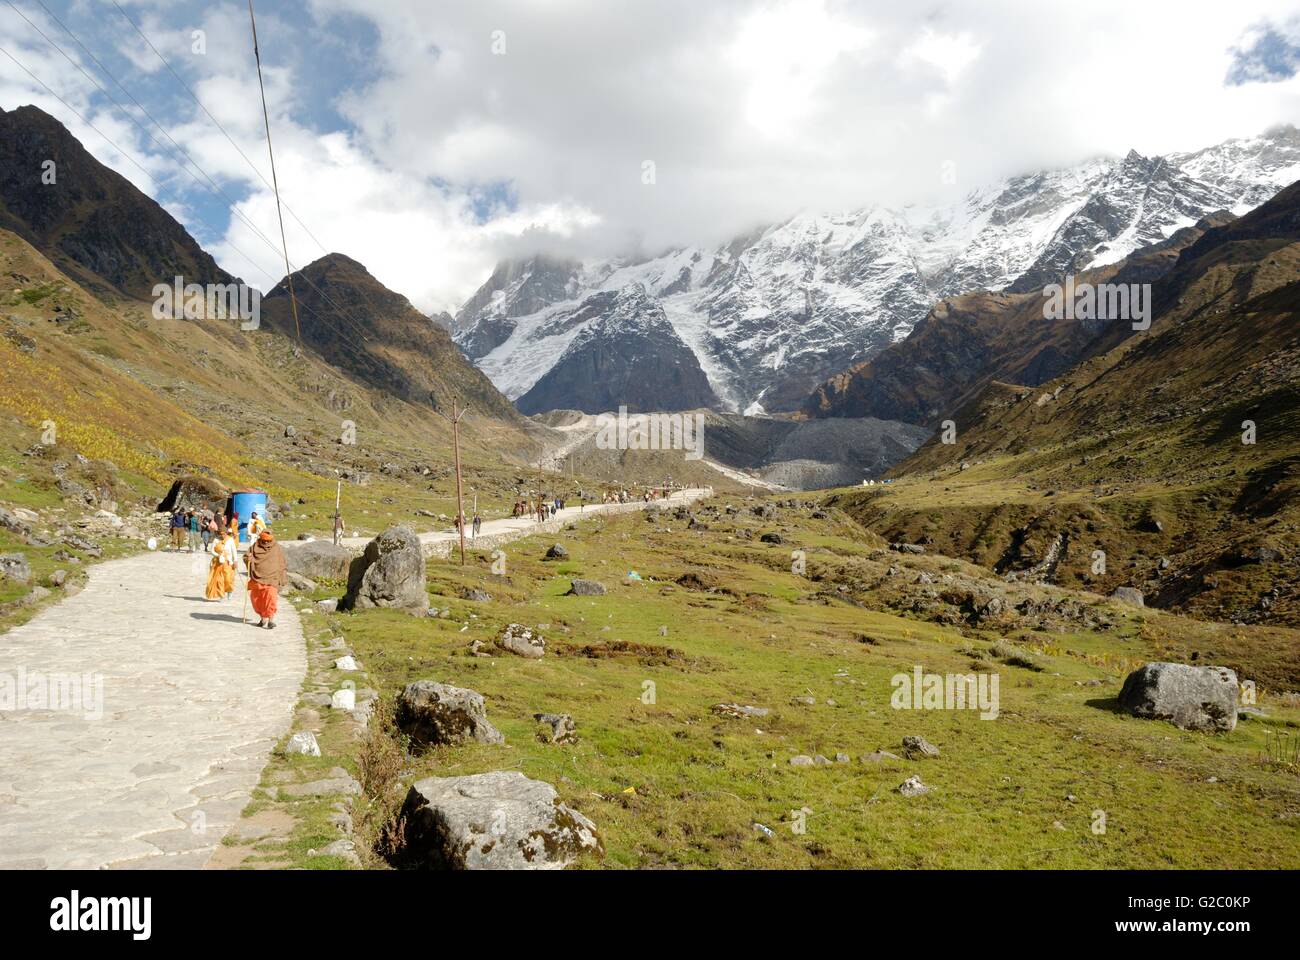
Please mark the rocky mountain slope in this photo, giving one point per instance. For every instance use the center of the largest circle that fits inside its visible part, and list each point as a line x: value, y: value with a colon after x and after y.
x: 1173, y: 457
x: 89, y: 220
x: 967, y: 342
x: 360, y: 326
x: 772, y: 314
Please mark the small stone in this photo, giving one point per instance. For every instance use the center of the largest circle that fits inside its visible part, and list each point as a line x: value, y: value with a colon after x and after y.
x: 919, y: 748
x: 738, y: 711
x: 344, y: 699
x: 303, y: 742
x: 913, y: 787
x: 561, y: 727
x: 557, y: 552
x: 801, y: 761
x: 521, y: 641
x: 345, y: 663
x: 880, y: 756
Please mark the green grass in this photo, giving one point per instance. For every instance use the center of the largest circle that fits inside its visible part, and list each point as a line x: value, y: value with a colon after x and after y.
x: 670, y: 784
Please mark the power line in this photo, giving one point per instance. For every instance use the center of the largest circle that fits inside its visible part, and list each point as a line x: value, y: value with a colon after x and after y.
x: 112, y: 143
x: 266, y: 118
x: 231, y: 140
x: 213, y: 187
x: 77, y: 113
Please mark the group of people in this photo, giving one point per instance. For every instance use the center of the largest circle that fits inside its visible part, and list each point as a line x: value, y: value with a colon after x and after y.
x: 475, y: 524
x: 195, y: 530
x: 264, y: 561
x: 540, y: 509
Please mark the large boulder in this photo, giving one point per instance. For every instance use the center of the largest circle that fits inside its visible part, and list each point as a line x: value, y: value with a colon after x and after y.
x: 390, y: 573
x: 438, y: 713
x: 1194, y: 698
x: 490, y: 821
x: 195, y: 492
x: 318, y: 559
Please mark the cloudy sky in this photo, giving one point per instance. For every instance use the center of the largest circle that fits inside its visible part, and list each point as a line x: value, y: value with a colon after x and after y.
x: 429, y: 138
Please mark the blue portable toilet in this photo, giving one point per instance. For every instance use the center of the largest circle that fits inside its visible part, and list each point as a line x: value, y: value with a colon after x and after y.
x: 244, y: 502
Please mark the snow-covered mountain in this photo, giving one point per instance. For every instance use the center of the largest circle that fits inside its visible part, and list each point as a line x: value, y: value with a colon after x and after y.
x: 770, y: 315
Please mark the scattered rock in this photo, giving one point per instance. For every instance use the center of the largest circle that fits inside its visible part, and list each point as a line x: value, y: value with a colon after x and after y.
x: 345, y: 699
x: 1193, y: 698
x: 918, y: 748
x: 801, y: 760
x: 345, y: 663
x: 739, y: 712
x: 557, y: 552
x: 304, y: 742
x: 771, y: 538
x: 1130, y: 595
x: 562, y: 727
x: 14, y: 566
x: 432, y: 713
x: 490, y: 821
x: 475, y: 595
x: 521, y: 641
x: 586, y: 588
x: 913, y: 787
x: 914, y: 548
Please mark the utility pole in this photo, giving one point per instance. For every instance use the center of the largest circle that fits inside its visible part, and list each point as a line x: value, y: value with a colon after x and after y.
x: 338, y: 497
x: 460, y: 498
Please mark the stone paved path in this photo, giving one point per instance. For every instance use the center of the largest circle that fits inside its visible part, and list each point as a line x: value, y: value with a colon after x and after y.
x: 193, y: 702
x: 494, y: 533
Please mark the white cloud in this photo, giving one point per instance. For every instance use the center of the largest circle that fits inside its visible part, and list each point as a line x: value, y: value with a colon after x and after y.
x: 749, y: 109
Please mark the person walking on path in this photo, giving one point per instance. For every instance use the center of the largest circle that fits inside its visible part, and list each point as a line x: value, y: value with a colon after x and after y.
x: 177, y: 526
x: 338, y: 528
x: 221, y: 574
x: 255, y: 527
x: 192, y: 523
x: 478, y: 522
x: 267, y: 570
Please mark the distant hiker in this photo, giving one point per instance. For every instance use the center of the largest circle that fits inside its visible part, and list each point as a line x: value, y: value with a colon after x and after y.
x: 221, y: 575
x: 478, y: 522
x: 266, y: 575
x: 206, y: 529
x: 338, y: 529
x: 234, y: 528
x: 255, y: 526
x: 177, y: 526
x: 192, y: 522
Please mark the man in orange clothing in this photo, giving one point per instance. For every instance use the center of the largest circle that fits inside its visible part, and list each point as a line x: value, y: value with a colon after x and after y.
x: 267, y: 571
